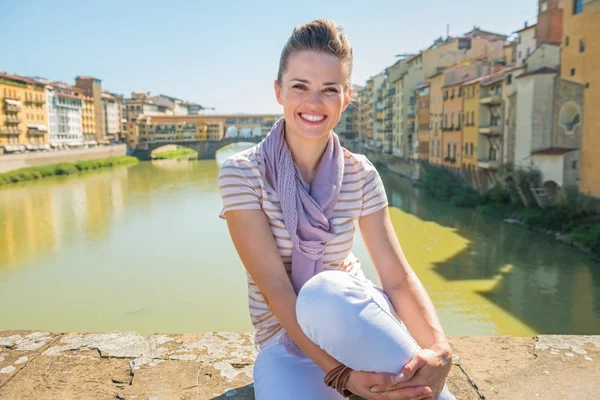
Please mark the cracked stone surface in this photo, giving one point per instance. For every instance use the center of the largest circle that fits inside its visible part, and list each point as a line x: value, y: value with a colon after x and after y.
x: 126, y: 365
x: 546, y: 367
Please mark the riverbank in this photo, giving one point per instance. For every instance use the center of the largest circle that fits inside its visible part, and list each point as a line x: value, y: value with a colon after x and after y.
x: 11, y: 162
x: 34, y: 173
x: 219, y: 366
x: 181, y: 153
x: 568, y: 221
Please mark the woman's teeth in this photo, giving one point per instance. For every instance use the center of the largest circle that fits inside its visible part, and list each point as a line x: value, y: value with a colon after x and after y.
x: 312, y: 118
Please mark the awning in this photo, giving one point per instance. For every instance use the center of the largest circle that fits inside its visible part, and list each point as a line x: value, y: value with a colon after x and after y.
x: 39, y: 127
x: 13, y: 102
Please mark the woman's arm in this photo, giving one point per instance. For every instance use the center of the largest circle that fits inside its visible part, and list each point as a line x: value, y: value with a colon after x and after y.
x: 400, y: 283
x: 256, y: 247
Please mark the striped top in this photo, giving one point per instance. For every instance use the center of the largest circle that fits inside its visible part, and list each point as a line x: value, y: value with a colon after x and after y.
x: 242, y: 188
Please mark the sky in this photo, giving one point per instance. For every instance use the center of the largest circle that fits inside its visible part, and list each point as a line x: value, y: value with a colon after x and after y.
x: 222, y: 54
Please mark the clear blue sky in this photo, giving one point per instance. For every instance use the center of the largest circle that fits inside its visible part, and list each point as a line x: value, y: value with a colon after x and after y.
x: 222, y: 54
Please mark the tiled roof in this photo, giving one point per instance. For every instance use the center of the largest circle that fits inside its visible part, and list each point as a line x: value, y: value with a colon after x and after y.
x: 553, y: 151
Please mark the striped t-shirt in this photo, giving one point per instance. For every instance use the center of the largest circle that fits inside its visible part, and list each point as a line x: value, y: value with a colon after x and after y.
x: 242, y: 188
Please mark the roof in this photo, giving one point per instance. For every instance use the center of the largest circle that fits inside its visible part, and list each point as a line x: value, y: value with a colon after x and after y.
x: 539, y: 71
x: 18, y: 78
x: 477, y: 31
x: 553, y: 151
x: 525, y: 28
x: 69, y: 96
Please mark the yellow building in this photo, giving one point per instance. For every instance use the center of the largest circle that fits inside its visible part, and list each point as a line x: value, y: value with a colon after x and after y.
x: 471, y: 91
x: 580, y: 59
x: 88, y: 119
x: 23, y: 115
x: 436, y: 116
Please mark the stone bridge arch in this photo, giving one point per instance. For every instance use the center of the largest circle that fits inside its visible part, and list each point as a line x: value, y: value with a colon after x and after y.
x: 207, y: 149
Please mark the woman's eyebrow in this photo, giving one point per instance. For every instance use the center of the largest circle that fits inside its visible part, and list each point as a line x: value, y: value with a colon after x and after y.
x: 305, y: 81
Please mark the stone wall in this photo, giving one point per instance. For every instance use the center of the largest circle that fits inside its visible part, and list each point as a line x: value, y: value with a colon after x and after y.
x: 127, y: 366
x: 16, y: 161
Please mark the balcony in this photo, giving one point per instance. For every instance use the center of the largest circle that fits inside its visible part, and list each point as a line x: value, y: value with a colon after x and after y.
x: 10, y: 132
x: 490, y: 130
x: 13, y: 121
x: 488, y: 164
x: 491, y: 100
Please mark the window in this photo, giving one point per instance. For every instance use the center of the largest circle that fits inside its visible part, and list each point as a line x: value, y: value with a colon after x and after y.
x: 577, y: 6
x: 544, y: 6
x: 454, y: 155
x: 471, y: 148
x: 448, y: 153
x: 519, y: 53
x: 566, y: 41
x: 572, y: 71
x: 581, y: 45
x: 509, y: 79
x: 575, y: 164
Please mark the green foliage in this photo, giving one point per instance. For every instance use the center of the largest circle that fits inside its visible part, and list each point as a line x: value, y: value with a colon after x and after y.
x: 182, y: 153
x: 589, y: 236
x: 497, y: 194
x: 33, y: 173
x: 466, y: 197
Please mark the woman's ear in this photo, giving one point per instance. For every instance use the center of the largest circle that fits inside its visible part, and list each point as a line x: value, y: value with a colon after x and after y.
x: 277, y: 88
x: 347, y: 99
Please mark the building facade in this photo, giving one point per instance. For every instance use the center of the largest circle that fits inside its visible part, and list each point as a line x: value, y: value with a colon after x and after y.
x: 580, y: 59
x: 526, y: 43
x: 550, y: 22
x: 111, y: 113
x: 436, y: 116
x: 423, y: 125
x: 93, y: 88
x: 65, y: 110
x: 23, y: 115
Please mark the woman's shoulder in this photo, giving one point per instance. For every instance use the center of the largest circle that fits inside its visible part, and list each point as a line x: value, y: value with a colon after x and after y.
x: 357, y: 161
x: 245, y: 161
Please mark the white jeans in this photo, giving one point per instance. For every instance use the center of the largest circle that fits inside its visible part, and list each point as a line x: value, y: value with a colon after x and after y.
x: 351, y: 320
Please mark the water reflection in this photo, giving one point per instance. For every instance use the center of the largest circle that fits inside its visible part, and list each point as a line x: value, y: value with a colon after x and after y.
x: 546, y: 286
x: 142, y: 249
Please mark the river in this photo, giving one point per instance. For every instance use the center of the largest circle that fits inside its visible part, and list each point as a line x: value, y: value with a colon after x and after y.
x: 142, y: 249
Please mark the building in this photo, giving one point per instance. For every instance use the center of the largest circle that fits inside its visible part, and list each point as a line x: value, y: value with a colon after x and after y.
x: 452, y: 125
x: 436, y: 116
x: 23, y: 115
x: 477, y: 44
x: 177, y: 106
x: 550, y: 21
x: 346, y: 129
x: 65, y: 115
x: 509, y: 89
x: 471, y: 90
x: 510, y: 54
x: 526, y: 42
x: 93, y: 88
x: 194, y: 109
x: 423, y: 124
x: 88, y: 119
x: 579, y: 63
x: 112, y: 115
x: 549, y: 124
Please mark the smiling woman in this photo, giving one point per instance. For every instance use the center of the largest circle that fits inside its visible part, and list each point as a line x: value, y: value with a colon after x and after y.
x: 323, y: 329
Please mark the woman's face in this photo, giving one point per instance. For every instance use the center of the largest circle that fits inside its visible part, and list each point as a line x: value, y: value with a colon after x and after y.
x: 312, y: 94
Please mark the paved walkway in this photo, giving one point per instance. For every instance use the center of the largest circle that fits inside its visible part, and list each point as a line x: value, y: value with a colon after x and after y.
x: 45, y: 365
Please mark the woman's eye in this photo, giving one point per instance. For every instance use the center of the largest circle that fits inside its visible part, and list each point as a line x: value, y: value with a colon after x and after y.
x: 299, y: 87
x: 333, y: 90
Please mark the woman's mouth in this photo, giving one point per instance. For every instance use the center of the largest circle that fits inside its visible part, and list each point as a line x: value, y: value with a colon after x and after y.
x: 312, y: 119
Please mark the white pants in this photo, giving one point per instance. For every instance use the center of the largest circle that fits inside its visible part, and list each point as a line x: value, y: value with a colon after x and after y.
x: 353, y: 321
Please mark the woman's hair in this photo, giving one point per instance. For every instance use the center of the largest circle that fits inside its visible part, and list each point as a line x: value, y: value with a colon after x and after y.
x: 320, y: 35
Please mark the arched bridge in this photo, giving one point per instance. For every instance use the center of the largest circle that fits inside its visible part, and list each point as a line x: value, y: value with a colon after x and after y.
x: 206, y: 149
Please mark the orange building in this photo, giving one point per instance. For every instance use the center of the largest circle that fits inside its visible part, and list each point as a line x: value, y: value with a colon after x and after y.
x: 580, y: 58
x: 452, y: 126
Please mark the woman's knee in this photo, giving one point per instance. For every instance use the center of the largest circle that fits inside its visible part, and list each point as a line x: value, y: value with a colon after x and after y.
x: 329, y: 301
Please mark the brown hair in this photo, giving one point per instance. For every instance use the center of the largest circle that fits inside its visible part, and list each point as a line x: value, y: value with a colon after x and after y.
x: 320, y: 35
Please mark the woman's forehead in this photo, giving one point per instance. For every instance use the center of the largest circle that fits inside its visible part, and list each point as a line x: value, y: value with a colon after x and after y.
x: 311, y: 65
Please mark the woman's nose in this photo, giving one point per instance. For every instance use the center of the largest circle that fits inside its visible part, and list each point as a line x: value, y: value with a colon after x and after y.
x: 314, y: 97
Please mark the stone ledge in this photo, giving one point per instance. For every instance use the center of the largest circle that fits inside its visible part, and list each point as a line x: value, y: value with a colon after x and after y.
x: 125, y: 365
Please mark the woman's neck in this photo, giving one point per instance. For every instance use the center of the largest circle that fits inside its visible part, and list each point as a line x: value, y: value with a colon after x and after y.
x: 307, y: 154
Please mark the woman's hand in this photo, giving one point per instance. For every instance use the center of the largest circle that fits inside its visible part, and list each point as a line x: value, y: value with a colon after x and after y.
x: 362, y: 384
x: 428, y: 367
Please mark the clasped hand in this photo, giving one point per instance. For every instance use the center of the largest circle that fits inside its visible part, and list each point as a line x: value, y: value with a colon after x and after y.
x: 422, y: 378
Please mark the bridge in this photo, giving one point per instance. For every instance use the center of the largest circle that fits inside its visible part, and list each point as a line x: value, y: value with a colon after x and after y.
x: 207, y: 149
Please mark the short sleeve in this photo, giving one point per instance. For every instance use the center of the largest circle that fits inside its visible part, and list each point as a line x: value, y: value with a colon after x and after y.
x: 238, y: 190
x: 373, y: 193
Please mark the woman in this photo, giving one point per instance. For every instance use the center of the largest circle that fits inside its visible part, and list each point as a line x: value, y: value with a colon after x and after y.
x: 323, y: 330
